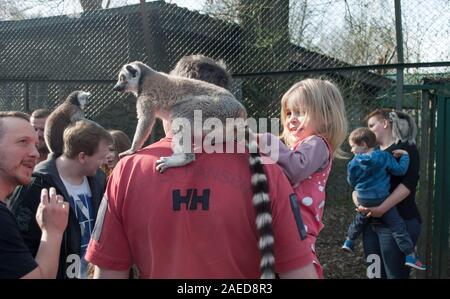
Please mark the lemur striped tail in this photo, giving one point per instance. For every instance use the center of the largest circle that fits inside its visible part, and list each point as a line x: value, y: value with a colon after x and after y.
x: 261, y: 202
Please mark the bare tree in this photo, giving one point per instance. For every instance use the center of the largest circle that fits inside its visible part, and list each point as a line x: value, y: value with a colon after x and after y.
x: 19, y: 9
x: 299, y: 17
x: 367, y: 35
x: 9, y: 10
x: 91, y: 5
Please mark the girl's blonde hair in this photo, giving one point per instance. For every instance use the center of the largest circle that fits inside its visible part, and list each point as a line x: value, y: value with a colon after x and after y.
x: 323, y: 103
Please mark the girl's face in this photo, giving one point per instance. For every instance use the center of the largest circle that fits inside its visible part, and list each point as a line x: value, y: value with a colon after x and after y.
x: 112, y: 157
x: 296, y: 122
x: 379, y: 126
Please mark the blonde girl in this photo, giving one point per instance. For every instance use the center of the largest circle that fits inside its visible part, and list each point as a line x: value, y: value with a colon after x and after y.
x: 314, y: 127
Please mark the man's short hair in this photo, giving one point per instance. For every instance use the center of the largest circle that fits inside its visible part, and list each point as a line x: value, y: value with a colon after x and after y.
x: 16, y: 114
x: 84, y: 136
x: 360, y: 135
x: 41, y: 113
x: 203, y: 68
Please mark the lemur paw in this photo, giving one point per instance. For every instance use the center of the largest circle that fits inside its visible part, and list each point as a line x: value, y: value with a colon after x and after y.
x: 175, y: 160
x: 126, y: 153
x: 162, y: 164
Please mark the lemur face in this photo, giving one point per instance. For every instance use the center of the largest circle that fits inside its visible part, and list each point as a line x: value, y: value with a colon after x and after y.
x: 128, y: 79
x: 83, y: 99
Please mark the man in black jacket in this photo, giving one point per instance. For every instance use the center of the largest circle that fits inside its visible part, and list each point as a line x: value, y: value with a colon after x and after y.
x: 18, y: 156
x: 76, y: 176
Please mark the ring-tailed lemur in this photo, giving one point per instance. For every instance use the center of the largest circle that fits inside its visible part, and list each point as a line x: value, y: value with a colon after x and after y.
x: 171, y: 97
x: 68, y: 112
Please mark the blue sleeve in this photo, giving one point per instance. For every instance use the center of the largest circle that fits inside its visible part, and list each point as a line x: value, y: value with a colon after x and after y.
x: 352, y: 171
x: 397, y: 168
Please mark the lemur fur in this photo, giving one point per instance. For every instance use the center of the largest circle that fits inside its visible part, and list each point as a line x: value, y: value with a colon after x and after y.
x: 68, y: 112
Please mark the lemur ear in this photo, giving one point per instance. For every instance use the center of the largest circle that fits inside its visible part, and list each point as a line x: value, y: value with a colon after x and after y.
x: 132, y: 70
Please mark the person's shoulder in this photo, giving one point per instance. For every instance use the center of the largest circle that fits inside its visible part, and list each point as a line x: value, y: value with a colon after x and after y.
x: 3, y: 208
x: 149, y: 153
x: 315, y: 139
x: 404, y: 146
x: 410, y: 147
x: 100, y: 175
x: 6, y: 215
x: 272, y: 170
x: 315, y: 143
x: 163, y: 145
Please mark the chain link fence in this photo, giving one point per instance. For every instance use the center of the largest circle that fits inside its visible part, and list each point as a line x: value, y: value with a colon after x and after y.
x: 267, y: 45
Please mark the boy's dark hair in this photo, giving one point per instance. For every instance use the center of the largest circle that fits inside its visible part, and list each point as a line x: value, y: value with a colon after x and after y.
x: 203, y: 68
x: 360, y: 135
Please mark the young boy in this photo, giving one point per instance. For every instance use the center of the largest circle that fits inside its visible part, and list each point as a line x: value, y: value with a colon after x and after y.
x: 368, y: 174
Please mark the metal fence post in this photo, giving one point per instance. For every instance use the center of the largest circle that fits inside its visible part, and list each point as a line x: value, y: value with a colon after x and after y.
x: 425, y: 199
x: 442, y: 190
x: 400, y: 69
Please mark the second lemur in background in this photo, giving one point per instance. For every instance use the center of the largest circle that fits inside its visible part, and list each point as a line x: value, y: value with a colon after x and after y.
x: 71, y: 110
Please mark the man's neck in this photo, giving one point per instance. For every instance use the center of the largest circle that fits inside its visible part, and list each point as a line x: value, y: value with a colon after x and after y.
x: 5, y: 190
x: 69, y: 170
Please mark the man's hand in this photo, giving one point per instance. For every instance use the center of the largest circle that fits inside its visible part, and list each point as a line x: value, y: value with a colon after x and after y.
x: 52, y: 213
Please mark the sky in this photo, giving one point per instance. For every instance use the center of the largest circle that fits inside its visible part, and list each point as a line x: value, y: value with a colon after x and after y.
x: 32, y: 8
x: 426, y: 22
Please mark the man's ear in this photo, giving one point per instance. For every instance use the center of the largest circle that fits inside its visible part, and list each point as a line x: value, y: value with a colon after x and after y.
x: 81, y: 157
x: 385, y: 123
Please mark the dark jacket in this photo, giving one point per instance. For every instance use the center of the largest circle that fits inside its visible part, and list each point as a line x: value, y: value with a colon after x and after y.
x: 25, y: 201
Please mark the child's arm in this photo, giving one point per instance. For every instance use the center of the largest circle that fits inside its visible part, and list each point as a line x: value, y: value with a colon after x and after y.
x: 352, y: 173
x: 355, y: 198
x: 299, y: 164
x: 398, y: 168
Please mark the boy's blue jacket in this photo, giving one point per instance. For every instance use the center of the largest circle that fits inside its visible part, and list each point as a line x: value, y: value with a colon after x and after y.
x: 369, y: 173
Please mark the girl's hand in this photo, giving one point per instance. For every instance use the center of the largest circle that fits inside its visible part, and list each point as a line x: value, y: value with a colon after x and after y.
x: 398, y: 153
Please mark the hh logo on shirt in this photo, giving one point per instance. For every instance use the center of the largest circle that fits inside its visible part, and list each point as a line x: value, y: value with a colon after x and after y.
x: 193, y: 199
